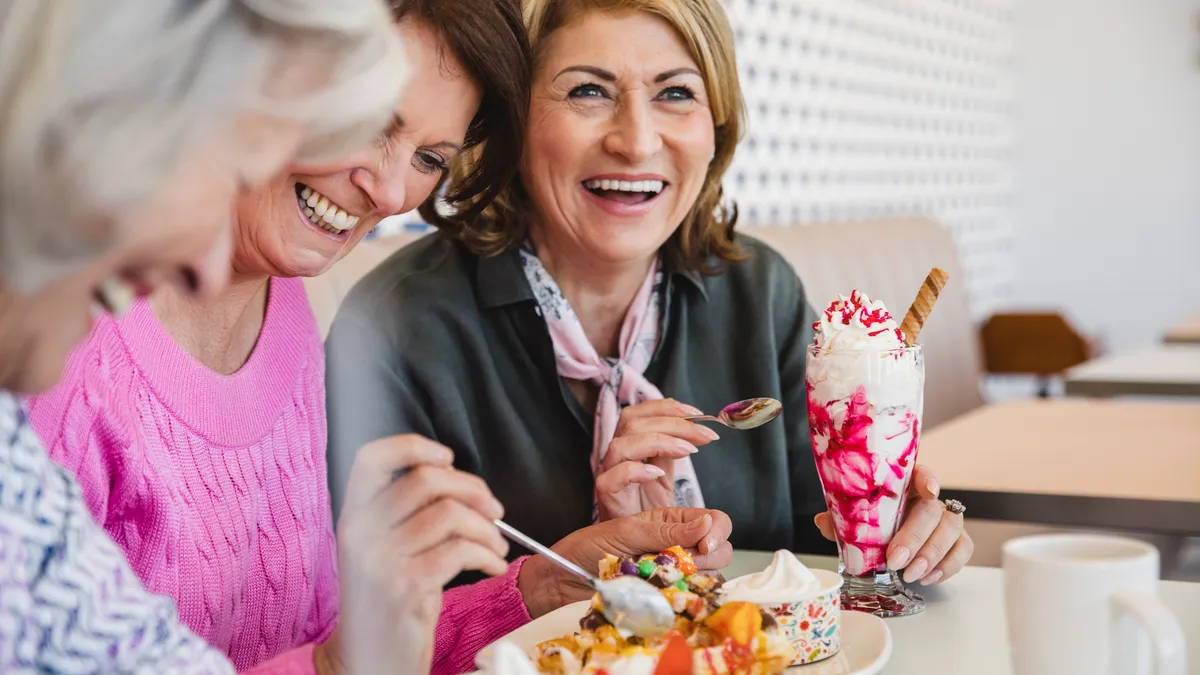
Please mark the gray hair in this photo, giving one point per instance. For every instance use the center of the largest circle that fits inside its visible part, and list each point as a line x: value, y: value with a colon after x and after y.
x: 99, y: 97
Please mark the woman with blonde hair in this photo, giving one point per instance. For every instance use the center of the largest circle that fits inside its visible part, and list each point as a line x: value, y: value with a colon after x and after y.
x: 601, y: 299
x: 126, y: 131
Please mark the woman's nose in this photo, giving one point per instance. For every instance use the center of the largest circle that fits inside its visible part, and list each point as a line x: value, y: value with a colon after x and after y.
x: 384, y: 184
x: 634, y: 134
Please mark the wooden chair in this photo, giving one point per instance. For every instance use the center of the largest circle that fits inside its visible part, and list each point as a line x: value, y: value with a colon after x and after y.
x: 1041, y: 344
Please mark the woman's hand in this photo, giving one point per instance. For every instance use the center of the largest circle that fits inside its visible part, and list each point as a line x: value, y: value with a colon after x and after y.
x: 400, y: 540
x: 638, y: 472
x: 704, y: 533
x: 931, y: 545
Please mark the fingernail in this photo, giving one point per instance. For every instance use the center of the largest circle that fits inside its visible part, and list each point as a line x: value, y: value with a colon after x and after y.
x: 933, y: 487
x: 686, y: 447
x: 689, y: 410
x: 709, y: 433
x: 497, y: 508
x: 916, y: 570
x: 712, y: 544
x: 899, y: 557
x: 932, y: 578
x: 655, y: 471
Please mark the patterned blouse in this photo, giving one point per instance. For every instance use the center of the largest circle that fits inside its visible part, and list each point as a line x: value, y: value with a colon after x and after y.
x: 69, y: 603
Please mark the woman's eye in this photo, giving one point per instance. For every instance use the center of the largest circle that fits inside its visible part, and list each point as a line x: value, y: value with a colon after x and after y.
x: 429, y: 163
x: 587, y: 91
x: 677, y: 94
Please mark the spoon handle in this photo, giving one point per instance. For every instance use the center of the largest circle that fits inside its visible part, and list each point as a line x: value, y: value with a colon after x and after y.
x: 520, y: 537
x: 702, y: 418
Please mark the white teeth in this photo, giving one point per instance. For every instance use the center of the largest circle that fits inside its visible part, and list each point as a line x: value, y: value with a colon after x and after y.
x: 115, y: 295
x: 324, y: 213
x: 651, y: 186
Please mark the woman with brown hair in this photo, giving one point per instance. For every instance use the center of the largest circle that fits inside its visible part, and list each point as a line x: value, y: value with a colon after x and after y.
x: 602, y: 298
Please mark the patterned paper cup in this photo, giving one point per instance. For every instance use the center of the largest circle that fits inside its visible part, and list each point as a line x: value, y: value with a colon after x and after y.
x: 813, y: 624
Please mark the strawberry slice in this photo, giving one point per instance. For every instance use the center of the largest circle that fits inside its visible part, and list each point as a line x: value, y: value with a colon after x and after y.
x: 676, y: 658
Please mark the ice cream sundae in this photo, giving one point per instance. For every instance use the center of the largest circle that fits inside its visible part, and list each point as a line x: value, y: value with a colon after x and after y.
x: 803, y: 603
x: 865, y: 395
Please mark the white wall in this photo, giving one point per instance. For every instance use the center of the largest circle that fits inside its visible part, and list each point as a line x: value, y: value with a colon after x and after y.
x: 1107, y: 163
x: 870, y: 108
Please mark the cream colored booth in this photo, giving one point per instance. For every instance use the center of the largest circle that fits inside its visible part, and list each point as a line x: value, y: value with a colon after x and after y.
x: 887, y: 260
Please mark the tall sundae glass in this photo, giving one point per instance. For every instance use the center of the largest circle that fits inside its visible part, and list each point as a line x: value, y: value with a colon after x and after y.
x: 865, y: 398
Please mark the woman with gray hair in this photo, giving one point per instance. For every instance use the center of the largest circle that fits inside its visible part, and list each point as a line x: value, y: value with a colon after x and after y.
x: 126, y: 132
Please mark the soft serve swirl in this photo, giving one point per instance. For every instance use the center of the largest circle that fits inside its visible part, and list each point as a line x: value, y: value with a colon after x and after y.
x: 786, y: 579
x: 857, y: 323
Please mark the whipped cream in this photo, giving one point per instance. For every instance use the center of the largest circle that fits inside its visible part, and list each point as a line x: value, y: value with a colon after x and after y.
x: 785, y: 580
x: 505, y: 658
x: 857, y: 323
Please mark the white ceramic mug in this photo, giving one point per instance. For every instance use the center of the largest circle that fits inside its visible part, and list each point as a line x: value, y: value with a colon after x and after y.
x: 1088, y: 604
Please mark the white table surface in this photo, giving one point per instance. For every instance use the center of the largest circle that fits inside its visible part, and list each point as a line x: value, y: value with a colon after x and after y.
x: 962, y: 630
x: 1163, y: 370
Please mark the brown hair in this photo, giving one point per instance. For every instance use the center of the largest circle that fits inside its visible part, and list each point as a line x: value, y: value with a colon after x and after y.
x: 488, y: 37
x: 707, y: 230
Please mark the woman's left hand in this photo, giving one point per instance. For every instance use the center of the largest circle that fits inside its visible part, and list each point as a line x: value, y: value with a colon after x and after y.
x: 931, y: 545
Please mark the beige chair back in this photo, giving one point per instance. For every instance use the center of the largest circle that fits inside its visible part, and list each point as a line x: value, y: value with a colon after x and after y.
x: 888, y: 260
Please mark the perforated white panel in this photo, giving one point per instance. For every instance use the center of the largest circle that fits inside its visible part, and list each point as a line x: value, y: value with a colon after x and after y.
x: 866, y: 108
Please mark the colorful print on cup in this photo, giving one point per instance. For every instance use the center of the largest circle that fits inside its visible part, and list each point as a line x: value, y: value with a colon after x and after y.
x: 813, y: 626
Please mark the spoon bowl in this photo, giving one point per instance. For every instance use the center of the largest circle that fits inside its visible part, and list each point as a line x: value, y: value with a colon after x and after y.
x: 743, y: 415
x: 629, y: 603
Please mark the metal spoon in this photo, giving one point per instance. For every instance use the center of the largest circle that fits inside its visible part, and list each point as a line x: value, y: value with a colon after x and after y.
x: 748, y: 414
x: 628, y: 602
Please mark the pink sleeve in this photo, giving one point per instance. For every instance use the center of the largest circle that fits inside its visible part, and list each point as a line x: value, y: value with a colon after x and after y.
x: 77, y: 437
x: 475, y: 616
x: 322, y: 619
x: 298, y: 661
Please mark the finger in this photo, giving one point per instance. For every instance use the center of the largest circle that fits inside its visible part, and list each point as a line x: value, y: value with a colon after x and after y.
x: 447, y: 519
x: 718, y: 533
x: 824, y: 523
x: 958, y: 557
x: 664, y: 407
x: 441, y: 564
x: 642, y: 447
x: 694, y: 433
x: 425, y: 485
x: 936, y: 547
x: 718, y: 558
x: 922, y: 518
x: 924, y: 484
x: 627, y: 474
x: 377, y: 462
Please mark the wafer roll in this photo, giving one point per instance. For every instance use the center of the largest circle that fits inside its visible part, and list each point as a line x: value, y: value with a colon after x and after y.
x: 923, y: 305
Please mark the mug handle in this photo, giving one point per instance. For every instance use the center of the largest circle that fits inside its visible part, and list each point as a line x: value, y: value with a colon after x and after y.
x: 1166, y: 635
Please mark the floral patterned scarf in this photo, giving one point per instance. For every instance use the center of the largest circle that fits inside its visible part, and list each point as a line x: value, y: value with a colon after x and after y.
x: 621, y: 380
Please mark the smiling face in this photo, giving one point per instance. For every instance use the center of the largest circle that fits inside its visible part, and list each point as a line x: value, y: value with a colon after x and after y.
x: 303, y: 222
x: 620, y: 136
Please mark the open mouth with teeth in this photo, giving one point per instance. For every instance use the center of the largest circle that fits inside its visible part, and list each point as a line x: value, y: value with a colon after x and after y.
x: 625, y: 191
x: 322, y: 212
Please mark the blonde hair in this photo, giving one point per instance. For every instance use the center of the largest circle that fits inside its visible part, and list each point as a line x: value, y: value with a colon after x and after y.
x: 98, y: 100
x: 707, y: 230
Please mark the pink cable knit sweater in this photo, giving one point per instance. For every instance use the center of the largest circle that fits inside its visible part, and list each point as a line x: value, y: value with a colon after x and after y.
x: 215, y: 486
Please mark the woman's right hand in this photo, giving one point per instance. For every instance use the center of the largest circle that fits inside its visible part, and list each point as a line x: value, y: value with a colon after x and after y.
x: 400, y: 540
x: 638, y: 472
x: 703, y: 533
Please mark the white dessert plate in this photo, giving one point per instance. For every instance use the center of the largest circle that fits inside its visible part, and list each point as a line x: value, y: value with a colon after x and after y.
x: 866, y: 641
